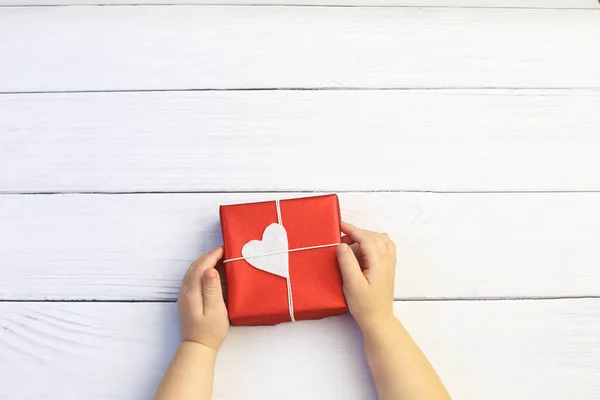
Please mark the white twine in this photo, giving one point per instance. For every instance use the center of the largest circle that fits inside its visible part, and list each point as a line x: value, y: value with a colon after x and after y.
x: 287, y: 280
x: 289, y: 284
x: 281, y: 252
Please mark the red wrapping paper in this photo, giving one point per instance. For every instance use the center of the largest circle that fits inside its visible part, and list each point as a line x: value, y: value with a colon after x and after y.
x: 257, y: 297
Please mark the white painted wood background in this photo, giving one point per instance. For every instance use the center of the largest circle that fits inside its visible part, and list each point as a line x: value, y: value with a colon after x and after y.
x: 468, y: 130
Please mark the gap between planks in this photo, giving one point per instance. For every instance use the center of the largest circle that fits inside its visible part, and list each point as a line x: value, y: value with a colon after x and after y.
x: 396, y: 300
x: 316, y: 192
x: 292, y: 5
x: 304, y: 89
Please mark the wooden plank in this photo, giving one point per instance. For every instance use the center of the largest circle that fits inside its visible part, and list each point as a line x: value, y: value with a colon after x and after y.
x: 520, y: 350
x: 211, y: 47
x: 137, y: 247
x: 448, y: 140
x: 560, y: 4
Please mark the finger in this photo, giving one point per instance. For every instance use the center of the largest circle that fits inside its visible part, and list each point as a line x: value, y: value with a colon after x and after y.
x: 348, y: 240
x: 212, y: 256
x: 349, y: 266
x: 356, y: 234
x: 185, y: 285
x: 357, y: 253
x: 186, y: 277
x: 194, y: 284
x: 390, y: 246
x: 223, y: 276
x: 212, y: 295
x: 369, y: 241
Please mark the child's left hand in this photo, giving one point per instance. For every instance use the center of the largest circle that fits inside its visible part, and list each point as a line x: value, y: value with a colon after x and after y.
x: 202, y: 312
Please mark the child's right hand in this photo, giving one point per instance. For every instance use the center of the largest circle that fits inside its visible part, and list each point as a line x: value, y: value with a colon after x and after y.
x: 202, y: 312
x: 368, y: 268
x: 400, y: 369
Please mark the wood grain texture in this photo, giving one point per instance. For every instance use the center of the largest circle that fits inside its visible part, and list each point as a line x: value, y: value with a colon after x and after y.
x: 212, y: 47
x: 448, y: 140
x: 519, y: 350
x: 137, y: 247
x: 494, y: 96
x: 560, y: 4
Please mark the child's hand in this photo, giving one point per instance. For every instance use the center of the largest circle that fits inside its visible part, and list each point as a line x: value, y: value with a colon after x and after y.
x: 202, y: 312
x: 399, y: 368
x: 203, y: 323
x: 368, y: 279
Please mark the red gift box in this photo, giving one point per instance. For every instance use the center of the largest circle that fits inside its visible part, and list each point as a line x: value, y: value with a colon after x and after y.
x: 311, y: 288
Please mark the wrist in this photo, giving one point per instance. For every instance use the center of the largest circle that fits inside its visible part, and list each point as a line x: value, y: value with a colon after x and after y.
x: 197, y: 348
x: 377, y: 324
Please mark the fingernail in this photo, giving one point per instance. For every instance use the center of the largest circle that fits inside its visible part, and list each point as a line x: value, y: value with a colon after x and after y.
x: 210, y: 273
x: 342, y: 247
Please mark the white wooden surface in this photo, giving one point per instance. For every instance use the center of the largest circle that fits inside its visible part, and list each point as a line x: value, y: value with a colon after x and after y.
x: 450, y: 140
x: 137, y: 247
x: 493, y: 350
x: 558, y: 4
x: 212, y: 47
x: 122, y: 128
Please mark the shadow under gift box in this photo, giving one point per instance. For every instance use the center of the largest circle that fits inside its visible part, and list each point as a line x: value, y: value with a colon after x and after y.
x: 256, y: 297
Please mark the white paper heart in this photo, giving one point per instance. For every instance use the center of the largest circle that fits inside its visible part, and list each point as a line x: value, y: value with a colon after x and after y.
x: 274, y: 240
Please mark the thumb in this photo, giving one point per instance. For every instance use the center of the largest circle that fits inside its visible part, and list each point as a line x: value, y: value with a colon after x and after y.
x: 212, y: 296
x: 349, y: 266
